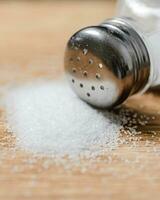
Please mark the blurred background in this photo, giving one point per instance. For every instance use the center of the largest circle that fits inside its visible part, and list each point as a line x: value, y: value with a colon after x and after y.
x: 33, y: 34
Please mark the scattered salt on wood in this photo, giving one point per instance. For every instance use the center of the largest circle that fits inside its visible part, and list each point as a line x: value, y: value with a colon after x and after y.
x: 48, y: 118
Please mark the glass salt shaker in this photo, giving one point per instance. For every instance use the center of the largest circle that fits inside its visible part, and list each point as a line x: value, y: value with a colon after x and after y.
x: 106, y: 64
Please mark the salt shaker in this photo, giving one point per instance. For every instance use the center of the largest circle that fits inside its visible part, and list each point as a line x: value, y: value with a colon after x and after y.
x: 108, y: 63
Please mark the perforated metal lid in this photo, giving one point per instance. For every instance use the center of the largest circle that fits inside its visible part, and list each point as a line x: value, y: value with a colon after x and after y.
x: 101, y: 67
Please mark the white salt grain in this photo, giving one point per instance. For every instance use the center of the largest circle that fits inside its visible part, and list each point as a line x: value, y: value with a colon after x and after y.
x: 48, y: 118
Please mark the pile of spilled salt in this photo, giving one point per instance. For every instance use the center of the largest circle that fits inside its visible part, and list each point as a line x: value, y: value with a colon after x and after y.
x: 48, y: 118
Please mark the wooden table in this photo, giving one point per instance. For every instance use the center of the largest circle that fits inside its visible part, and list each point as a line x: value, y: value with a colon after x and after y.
x: 33, y: 35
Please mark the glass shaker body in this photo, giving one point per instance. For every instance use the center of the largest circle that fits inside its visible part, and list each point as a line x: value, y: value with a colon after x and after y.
x: 144, y: 16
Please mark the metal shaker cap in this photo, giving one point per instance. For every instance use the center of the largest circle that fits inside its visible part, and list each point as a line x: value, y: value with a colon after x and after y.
x: 106, y: 64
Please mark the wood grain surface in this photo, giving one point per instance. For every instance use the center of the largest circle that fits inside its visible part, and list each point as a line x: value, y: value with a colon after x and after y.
x: 33, y: 35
